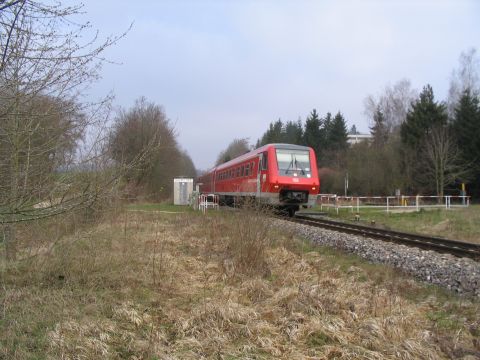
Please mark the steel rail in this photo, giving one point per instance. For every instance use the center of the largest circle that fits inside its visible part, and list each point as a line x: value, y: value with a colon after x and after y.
x: 454, y: 247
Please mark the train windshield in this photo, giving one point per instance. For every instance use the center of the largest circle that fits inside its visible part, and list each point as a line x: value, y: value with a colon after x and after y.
x: 294, y: 163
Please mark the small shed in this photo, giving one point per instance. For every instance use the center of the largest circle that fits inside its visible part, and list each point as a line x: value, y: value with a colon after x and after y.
x: 182, y: 190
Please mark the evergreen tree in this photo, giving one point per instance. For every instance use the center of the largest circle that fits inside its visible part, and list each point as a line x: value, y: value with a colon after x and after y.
x: 424, y: 115
x: 353, y: 130
x: 379, y: 130
x: 337, y: 134
x: 293, y: 132
x: 312, y: 135
x: 466, y: 128
x: 274, y: 134
x: 325, y: 131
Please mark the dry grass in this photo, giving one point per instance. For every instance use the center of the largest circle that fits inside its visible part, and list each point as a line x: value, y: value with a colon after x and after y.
x: 223, y: 286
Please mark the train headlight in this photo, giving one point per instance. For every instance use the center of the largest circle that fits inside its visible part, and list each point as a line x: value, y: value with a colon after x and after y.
x: 275, y: 186
x: 314, y: 188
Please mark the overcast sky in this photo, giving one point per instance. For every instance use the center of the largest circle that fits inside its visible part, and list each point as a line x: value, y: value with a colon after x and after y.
x: 226, y: 69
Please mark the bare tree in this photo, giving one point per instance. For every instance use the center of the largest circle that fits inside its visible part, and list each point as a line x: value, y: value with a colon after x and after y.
x: 44, y: 71
x: 393, y: 103
x: 465, y: 78
x: 440, y: 161
x: 146, y: 129
x: 236, y: 148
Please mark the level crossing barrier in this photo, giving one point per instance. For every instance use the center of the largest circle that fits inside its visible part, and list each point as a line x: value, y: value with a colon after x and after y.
x: 391, y: 203
x: 208, y: 201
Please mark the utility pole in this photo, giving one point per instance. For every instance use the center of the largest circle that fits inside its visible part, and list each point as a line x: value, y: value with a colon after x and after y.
x: 346, y: 183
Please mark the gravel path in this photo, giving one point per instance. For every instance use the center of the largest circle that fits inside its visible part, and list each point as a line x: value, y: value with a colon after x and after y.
x: 461, y: 275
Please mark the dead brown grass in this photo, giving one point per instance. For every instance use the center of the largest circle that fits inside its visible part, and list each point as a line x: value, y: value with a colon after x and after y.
x: 153, y: 286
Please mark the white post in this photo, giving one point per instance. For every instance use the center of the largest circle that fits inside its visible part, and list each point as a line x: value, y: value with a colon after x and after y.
x: 388, y: 210
x: 358, y: 205
x: 416, y: 202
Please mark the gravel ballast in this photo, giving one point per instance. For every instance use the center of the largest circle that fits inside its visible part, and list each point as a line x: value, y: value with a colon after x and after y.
x: 461, y: 275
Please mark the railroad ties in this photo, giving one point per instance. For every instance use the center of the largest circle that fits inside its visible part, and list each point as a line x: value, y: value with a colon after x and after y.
x: 454, y: 247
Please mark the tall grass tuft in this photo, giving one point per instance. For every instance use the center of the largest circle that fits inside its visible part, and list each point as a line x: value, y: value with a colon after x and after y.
x: 248, y: 238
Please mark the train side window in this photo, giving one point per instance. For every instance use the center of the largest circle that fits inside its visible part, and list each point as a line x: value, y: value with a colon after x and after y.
x: 238, y: 171
x: 242, y: 170
x: 264, y: 161
x: 247, y: 170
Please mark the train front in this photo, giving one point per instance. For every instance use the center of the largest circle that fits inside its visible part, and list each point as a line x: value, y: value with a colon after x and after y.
x: 294, y: 177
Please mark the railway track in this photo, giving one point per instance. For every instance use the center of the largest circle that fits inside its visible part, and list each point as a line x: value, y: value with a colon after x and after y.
x: 454, y: 247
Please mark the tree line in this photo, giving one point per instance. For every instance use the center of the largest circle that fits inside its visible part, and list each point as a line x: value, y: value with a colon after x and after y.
x: 326, y: 135
x: 418, y: 145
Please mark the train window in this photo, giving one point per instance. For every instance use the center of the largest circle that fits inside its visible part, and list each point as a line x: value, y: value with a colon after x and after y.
x: 242, y: 170
x: 264, y: 161
x: 247, y: 170
x: 293, y: 162
x: 238, y: 172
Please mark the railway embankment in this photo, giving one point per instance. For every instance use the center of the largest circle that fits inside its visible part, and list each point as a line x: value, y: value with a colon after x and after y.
x: 460, y: 275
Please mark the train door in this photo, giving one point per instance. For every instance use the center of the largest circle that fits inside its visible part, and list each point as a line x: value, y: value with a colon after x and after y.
x: 214, y: 181
x: 259, y: 176
x: 262, y: 173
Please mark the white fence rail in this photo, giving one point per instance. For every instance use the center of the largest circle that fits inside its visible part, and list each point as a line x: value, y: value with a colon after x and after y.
x: 391, y: 203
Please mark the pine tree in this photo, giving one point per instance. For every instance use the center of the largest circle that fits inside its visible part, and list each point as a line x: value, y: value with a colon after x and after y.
x: 337, y: 134
x: 325, y: 131
x: 379, y: 129
x: 466, y: 128
x: 312, y: 135
x: 353, y: 130
x: 274, y: 134
x: 425, y: 115
x: 293, y: 132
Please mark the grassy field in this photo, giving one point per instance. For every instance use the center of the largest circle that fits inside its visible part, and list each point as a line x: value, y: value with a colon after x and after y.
x: 153, y: 285
x: 458, y: 223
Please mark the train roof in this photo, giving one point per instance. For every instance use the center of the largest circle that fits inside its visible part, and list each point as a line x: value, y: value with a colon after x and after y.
x: 258, y: 151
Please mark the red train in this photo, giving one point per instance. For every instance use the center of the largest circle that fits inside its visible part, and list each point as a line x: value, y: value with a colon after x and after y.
x: 281, y: 175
